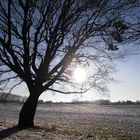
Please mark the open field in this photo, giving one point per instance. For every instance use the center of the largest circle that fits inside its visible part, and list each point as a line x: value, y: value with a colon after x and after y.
x: 74, y: 122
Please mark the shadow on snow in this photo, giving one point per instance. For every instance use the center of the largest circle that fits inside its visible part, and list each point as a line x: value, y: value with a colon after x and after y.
x: 9, y: 131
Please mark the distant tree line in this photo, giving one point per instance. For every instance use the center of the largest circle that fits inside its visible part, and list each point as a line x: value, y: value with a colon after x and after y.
x: 96, y: 102
x: 11, y: 98
x: 128, y: 102
x: 107, y: 102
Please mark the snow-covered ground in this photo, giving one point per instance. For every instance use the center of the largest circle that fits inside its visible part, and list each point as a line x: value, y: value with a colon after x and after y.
x: 73, y: 122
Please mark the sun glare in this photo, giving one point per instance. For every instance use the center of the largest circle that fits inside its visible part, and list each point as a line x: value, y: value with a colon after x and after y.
x: 80, y: 75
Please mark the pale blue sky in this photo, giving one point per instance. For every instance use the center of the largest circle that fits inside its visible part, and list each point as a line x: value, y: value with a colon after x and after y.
x: 128, y: 88
x: 129, y: 76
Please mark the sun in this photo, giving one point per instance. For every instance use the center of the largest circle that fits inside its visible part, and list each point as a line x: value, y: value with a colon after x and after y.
x: 80, y: 75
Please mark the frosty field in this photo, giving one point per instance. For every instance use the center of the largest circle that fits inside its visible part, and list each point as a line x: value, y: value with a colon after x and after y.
x: 73, y: 122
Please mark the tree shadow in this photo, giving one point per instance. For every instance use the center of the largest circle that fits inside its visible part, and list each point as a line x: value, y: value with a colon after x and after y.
x: 9, y: 131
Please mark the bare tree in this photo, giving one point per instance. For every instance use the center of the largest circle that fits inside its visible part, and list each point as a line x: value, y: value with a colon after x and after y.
x: 42, y: 41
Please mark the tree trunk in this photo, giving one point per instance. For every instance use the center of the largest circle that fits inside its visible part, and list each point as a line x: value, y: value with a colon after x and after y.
x: 27, y: 113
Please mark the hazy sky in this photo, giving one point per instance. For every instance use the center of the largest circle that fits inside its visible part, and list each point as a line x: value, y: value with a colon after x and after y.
x: 128, y: 87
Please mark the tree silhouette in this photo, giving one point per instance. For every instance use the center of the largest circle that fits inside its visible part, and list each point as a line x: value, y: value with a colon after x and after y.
x: 42, y: 41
